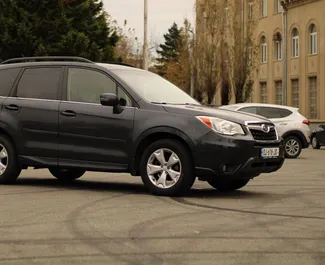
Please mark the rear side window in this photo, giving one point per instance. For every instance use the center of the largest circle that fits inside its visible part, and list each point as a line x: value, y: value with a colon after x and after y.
x: 40, y: 83
x: 285, y: 113
x: 7, y: 79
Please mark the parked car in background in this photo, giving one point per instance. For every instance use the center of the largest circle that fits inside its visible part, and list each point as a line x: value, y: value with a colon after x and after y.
x: 318, y: 137
x: 291, y: 125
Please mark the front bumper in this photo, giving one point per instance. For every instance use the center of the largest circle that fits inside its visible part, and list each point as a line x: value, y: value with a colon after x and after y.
x: 234, y: 158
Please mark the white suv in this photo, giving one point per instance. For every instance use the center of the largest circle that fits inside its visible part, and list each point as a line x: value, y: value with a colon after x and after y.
x: 290, y: 124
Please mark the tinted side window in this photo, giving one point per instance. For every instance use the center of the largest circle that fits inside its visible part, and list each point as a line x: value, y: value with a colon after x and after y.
x: 86, y: 85
x: 41, y: 83
x: 7, y: 79
x: 285, y: 113
x: 270, y: 113
x: 252, y: 110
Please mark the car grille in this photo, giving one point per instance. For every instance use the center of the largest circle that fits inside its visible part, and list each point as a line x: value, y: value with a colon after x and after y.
x: 261, y: 133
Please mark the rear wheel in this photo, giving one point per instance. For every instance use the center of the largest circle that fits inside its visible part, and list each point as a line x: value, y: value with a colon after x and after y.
x: 166, y: 168
x: 230, y: 185
x: 314, y: 143
x: 66, y: 174
x: 292, y: 147
x: 9, y: 166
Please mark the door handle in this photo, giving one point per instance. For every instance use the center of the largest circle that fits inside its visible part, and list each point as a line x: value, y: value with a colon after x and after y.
x: 12, y: 107
x: 68, y: 113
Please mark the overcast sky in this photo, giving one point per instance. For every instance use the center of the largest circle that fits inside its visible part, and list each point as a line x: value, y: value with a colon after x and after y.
x: 162, y: 13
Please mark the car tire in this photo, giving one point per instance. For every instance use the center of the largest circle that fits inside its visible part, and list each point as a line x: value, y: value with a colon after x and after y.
x: 227, y: 186
x: 167, y: 169
x: 9, y: 166
x: 292, y: 147
x: 66, y: 175
x: 314, y: 143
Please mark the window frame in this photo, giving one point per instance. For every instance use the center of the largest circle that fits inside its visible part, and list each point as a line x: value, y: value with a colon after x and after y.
x: 276, y: 83
x: 313, y: 38
x: 263, y: 49
x: 263, y: 95
x: 250, y: 10
x: 295, y: 43
x: 264, y: 8
x: 14, y: 89
x: 315, y: 99
x: 117, y: 84
x: 294, y: 92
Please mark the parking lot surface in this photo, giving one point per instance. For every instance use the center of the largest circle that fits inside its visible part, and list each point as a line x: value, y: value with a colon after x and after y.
x: 104, y: 218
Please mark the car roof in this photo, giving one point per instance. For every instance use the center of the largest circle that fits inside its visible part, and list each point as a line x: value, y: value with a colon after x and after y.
x: 240, y: 105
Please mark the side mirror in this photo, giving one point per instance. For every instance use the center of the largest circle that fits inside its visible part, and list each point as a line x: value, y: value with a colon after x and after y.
x: 109, y: 99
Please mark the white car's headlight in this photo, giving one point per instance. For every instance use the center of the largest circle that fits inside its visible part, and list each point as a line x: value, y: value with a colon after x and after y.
x: 222, y: 126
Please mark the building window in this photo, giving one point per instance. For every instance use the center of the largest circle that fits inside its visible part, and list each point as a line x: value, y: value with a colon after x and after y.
x: 295, y: 43
x: 264, y: 8
x: 250, y: 10
x: 313, y: 39
x: 313, y: 97
x: 278, y: 92
x: 278, y: 46
x: 295, y: 93
x: 278, y: 6
x: 227, y: 15
x: 263, y: 92
x: 263, y: 50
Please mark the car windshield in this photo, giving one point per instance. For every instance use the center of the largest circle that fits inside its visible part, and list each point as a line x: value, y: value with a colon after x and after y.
x: 154, y: 88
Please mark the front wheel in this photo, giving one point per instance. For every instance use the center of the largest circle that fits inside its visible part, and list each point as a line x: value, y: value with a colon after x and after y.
x: 166, y: 168
x: 314, y: 143
x: 66, y: 174
x: 229, y: 185
x: 292, y: 147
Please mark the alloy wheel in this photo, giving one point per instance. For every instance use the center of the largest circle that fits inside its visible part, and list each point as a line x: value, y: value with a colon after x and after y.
x: 3, y: 159
x: 164, y: 168
x: 292, y: 147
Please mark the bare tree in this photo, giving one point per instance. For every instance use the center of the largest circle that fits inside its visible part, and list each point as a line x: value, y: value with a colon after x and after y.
x: 240, y: 49
x: 206, y: 55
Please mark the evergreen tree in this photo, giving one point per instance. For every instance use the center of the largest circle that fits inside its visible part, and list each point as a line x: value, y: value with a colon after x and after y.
x: 61, y: 27
x: 169, y: 50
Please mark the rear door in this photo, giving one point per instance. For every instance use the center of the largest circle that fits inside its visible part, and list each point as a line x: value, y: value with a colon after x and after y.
x: 32, y: 113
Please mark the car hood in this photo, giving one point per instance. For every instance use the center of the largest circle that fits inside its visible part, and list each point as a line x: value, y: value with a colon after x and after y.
x: 234, y: 116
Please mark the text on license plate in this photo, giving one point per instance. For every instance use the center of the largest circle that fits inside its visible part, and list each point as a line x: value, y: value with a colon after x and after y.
x: 270, y: 152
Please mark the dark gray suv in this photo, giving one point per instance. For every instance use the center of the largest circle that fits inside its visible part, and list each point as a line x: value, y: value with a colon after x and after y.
x: 71, y: 115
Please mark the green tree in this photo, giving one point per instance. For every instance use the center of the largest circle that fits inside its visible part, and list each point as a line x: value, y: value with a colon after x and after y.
x: 169, y: 51
x: 63, y: 27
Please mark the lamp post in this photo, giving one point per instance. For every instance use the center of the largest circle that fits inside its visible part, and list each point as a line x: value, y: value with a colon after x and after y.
x: 145, y: 36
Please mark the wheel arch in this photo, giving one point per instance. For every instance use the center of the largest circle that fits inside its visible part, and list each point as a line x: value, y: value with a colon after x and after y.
x: 299, y: 135
x: 152, y: 135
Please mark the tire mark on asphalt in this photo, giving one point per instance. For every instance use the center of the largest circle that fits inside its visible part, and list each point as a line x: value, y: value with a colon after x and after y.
x: 186, y: 202
x: 73, y: 227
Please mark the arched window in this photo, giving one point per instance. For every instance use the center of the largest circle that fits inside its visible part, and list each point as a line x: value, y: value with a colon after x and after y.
x: 263, y: 50
x: 278, y: 46
x: 312, y: 39
x: 295, y: 43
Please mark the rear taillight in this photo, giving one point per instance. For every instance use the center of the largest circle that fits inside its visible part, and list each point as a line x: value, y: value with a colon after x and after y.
x: 307, y: 122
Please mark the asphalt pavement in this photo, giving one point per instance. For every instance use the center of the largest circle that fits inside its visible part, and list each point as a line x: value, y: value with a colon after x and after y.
x: 110, y: 219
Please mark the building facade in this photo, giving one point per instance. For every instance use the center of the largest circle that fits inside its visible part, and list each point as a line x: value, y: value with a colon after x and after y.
x: 290, y: 70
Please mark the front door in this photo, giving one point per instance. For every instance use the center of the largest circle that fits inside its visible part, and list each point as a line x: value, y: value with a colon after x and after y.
x: 91, y: 135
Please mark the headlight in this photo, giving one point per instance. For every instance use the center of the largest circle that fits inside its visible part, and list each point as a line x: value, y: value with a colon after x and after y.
x: 222, y: 126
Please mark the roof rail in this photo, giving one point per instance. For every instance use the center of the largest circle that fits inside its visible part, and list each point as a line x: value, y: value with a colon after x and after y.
x: 120, y: 63
x: 47, y: 58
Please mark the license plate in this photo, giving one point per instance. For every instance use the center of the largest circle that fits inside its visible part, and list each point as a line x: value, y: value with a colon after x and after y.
x: 270, y: 152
